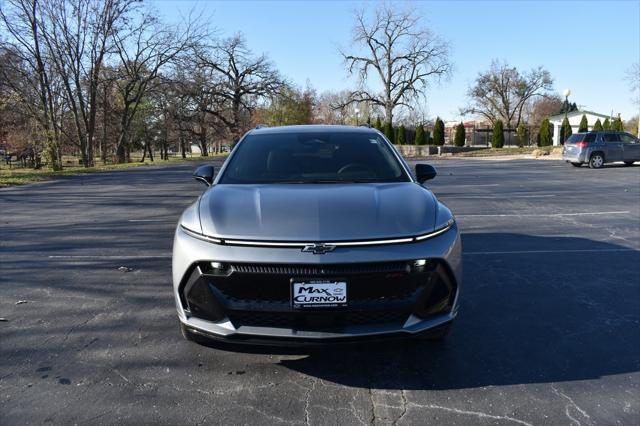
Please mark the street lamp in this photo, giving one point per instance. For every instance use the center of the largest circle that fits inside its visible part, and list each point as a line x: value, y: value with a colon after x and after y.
x: 357, y: 111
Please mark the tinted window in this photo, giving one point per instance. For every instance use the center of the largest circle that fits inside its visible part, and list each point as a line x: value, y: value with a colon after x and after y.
x: 578, y: 137
x: 627, y: 138
x: 582, y: 137
x: 611, y: 137
x: 320, y: 157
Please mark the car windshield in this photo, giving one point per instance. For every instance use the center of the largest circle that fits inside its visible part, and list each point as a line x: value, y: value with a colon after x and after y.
x: 322, y: 157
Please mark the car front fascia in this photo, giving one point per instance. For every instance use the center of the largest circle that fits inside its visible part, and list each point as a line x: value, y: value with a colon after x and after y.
x: 444, y: 247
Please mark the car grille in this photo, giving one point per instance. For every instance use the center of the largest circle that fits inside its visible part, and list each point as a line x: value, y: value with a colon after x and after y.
x: 320, y: 270
x: 259, y: 295
x: 248, y: 288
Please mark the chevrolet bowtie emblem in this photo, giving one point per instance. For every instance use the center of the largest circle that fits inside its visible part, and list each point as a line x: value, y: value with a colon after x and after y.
x: 318, y: 248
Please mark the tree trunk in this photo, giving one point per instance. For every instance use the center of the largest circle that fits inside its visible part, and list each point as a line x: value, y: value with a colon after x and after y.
x: 83, y: 151
x: 121, y: 156
x: 103, y: 145
x: 90, y: 158
x: 235, y: 129
x: 183, y: 147
x: 203, y: 142
x: 388, y: 111
x: 123, y: 138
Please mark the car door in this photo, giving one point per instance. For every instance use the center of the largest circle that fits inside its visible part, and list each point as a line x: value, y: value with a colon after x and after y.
x: 630, y: 147
x: 612, y: 147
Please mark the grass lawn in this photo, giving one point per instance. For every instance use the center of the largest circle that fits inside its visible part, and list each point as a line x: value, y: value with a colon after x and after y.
x: 23, y: 175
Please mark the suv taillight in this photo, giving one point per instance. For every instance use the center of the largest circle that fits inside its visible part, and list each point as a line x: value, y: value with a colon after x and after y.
x: 582, y: 144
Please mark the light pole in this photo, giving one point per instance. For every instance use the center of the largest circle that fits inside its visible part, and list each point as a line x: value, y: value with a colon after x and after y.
x: 357, y: 111
x: 566, y: 93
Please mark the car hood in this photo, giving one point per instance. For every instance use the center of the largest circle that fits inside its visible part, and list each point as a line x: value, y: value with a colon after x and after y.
x: 317, y: 212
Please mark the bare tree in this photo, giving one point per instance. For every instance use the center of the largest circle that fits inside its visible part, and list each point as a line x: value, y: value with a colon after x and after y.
x: 79, y: 36
x: 502, y: 92
x: 108, y: 101
x: 28, y: 72
x: 335, y: 108
x: 193, y: 99
x: 541, y: 108
x: 144, y: 48
x: 240, y: 79
x: 402, y: 56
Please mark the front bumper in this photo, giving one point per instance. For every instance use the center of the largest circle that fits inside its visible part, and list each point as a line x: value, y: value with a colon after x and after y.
x: 249, y: 301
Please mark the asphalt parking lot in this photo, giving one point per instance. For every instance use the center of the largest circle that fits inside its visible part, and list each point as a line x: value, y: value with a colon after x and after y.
x: 548, y: 333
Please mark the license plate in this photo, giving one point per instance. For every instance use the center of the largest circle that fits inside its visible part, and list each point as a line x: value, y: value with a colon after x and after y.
x: 318, y: 293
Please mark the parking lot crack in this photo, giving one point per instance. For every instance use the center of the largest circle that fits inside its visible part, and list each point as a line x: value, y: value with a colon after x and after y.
x: 403, y: 397
x: 478, y: 414
x: 308, y: 400
x: 572, y: 405
x: 354, y: 410
x: 122, y: 376
x: 373, y: 407
x: 267, y: 415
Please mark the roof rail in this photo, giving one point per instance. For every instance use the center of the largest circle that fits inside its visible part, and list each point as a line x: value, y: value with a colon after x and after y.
x: 261, y: 126
x: 365, y: 125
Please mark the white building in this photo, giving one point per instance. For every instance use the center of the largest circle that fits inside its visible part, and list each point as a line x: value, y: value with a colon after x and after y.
x: 574, y: 118
x: 195, y: 149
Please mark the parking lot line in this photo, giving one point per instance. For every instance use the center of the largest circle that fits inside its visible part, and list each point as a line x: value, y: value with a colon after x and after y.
x: 543, y: 214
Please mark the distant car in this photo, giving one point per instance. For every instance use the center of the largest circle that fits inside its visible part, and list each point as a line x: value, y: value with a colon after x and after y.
x: 598, y: 148
x: 315, y: 234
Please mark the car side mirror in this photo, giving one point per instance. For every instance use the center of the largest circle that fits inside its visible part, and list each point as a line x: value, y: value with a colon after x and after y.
x: 424, y: 172
x: 204, y: 174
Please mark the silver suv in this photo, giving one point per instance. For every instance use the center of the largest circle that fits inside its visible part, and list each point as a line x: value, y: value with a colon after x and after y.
x: 598, y: 148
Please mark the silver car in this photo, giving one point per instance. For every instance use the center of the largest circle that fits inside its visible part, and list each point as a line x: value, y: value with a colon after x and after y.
x: 598, y: 148
x: 316, y: 234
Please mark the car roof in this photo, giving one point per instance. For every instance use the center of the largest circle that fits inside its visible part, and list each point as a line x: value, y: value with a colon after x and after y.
x: 312, y: 128
x: 600, y: 131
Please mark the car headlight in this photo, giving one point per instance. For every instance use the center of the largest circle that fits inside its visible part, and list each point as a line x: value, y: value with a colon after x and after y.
x: 190, y: 220
x: 190, y: 224
x: 444, y: 222
x: 444, y: 217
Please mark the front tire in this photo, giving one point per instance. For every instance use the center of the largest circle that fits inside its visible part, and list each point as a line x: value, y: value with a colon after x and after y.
x: 576, y: 164
x: 596, y: 160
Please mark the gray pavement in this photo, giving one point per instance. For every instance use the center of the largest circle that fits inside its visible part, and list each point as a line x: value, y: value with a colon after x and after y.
x: 548, y: 333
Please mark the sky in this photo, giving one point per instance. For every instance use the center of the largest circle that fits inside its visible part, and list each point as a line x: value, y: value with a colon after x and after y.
x: 587, y: 46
